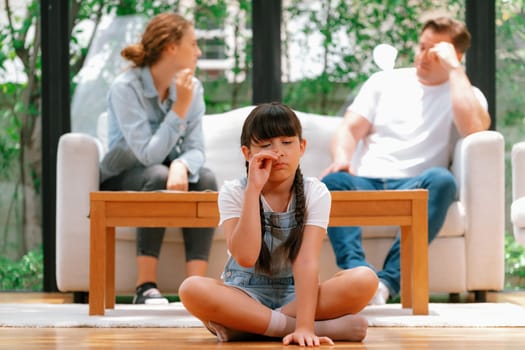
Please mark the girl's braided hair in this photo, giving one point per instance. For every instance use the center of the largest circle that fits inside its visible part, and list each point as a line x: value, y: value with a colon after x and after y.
x: 264, y: 122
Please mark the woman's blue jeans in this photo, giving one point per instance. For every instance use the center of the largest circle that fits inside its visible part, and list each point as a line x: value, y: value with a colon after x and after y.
x: 346, y: 241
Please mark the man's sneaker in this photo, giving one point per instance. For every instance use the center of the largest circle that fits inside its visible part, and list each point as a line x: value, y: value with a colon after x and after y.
x: 381, y: 296
x: 148, y: 293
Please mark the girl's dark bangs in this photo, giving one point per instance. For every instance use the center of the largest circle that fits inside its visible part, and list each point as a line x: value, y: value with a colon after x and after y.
x: 274, y: 125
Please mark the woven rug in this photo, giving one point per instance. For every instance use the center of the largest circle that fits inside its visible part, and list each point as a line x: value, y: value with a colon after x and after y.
x: 174, y: 315
x: 448, y: 315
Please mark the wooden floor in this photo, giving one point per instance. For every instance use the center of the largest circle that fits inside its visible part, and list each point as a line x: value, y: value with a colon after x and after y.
x: 199, y: 338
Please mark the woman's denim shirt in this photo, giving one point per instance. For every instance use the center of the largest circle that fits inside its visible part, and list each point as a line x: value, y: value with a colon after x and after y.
x: 142, y: 130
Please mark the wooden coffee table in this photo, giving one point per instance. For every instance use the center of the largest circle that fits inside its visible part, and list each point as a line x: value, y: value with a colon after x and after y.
x: 110, y: 209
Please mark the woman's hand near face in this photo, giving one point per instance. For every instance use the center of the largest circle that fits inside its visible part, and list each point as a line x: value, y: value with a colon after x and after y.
x: 184, y: 85
x: 177, y: 177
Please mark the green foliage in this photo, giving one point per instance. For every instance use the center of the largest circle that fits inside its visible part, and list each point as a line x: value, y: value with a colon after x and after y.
x: 23, y: 275
x: 349, y: 31
x: 20, y: 167
x: 9, y: 126
x: 210, y: 14
x: 219, y: 92
x: 226, y: 22
x: 514, y: 263
x: 510, y: 70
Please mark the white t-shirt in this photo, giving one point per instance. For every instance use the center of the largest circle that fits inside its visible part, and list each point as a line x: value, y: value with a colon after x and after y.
x: 317, y: 197
x: 412, y: 125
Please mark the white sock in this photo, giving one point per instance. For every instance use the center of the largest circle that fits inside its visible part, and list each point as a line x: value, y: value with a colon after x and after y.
x: 280, y: 325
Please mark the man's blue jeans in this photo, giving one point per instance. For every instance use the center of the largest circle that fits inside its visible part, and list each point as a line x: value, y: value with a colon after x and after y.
x: 346, y: 241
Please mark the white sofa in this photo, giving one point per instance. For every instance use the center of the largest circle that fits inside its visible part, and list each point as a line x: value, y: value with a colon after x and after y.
x: 467, y: 255
x: 517, y: 207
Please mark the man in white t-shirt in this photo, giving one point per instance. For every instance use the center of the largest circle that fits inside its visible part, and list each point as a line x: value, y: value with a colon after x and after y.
x: 398, y: 134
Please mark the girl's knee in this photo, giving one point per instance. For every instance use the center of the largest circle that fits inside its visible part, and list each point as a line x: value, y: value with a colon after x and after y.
x: 189, y: 287
x: 363, y: 279
x: 359, y: 286
x: 368, y: 279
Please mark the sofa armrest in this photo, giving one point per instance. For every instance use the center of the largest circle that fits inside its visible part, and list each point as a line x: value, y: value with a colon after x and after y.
x: 518, y: 170
x: 517, y: 208
x: 479, y: 167
x: 77, y: 175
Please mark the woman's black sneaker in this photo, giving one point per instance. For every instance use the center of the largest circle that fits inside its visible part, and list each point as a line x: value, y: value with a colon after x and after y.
x: 147, y: 293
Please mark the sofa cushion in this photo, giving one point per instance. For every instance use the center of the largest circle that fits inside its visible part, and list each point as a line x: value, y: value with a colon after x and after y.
x: 222, y: 134
x: 455, y: 222
x: 318, y: 131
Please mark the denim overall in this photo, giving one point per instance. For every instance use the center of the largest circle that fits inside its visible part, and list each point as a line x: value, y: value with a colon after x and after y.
x: 278, y: 289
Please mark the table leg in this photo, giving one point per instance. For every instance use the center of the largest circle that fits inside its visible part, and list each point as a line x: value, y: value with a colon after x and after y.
x: 420, y: 257
x: 97, y: 258
x: 407, y: 246
x: 110, y: 267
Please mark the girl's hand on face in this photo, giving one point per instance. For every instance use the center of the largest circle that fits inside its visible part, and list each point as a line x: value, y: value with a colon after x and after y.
x: 260, y: 166
x: 305, y: 338
x: 184, y: 86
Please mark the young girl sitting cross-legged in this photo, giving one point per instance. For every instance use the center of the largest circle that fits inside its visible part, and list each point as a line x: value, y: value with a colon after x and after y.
x: 275, y: 222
